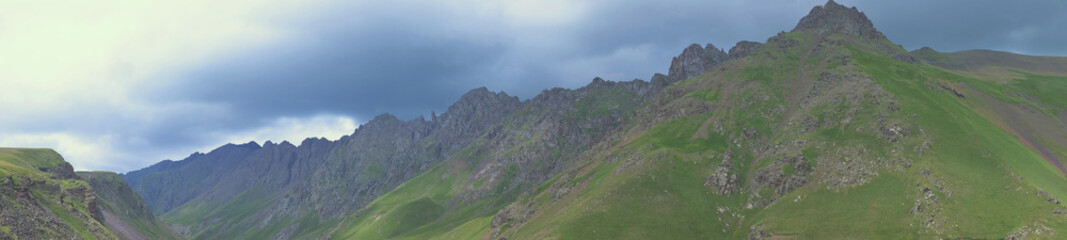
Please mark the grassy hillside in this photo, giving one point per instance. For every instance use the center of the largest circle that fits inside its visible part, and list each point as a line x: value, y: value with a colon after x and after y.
x: 1021, y: 94
x: 813, y: 137
x: 40, y: 198
x: 123, y: 211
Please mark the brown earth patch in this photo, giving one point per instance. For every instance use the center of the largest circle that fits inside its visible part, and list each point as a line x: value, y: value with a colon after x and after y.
x: 121, y: 228
x: 1022, y: 124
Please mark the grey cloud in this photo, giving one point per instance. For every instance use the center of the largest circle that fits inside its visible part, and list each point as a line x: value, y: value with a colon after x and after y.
x: 363, y: 59
x: 1029, y: 27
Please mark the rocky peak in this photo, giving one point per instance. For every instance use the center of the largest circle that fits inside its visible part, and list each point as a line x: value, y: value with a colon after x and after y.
x: 472, y: 114
x: 381, y: 121
x: 835, y: 18
x: 480, y: 102
x: 695, y: 60
x: 743, y: 48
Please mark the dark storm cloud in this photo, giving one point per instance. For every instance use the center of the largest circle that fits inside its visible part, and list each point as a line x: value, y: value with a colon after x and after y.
x: 408, y: 58
x: 1028, y: 27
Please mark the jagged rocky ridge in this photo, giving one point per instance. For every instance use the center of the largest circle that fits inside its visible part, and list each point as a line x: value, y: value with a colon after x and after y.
x: 332, y: 179
x: 696, y: 60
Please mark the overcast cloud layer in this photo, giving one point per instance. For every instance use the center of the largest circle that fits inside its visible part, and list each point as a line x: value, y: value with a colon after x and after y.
x: 119, y: 85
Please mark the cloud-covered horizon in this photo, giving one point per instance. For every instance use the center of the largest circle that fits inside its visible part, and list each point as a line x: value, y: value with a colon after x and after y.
x: 118, y: 85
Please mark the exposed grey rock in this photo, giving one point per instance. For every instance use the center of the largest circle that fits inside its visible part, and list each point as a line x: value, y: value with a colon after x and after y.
x: 848, y: 167
x: 951, y: 90
x: 908, y: 58
x: 893, y: 133
x: 755, y: 232
x: 724, y: 180
x: 773, y: 176
x: 26, y: 214
x: 835, y: 18
x: 743, y: 49
x: 1036, y: 230
x: 695, y: 60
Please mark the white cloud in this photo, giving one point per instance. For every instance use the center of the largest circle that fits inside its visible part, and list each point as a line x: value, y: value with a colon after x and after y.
x: 60, y: 55
x: 70, y: 71
x: 83, y: 153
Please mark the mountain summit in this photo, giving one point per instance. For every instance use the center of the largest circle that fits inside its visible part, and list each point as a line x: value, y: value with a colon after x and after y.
x: 835, y: 18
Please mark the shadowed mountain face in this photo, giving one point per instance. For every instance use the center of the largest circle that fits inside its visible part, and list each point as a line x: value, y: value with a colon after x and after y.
x: 123, y: 211
x: 323, y: 181
x: 829, y: 131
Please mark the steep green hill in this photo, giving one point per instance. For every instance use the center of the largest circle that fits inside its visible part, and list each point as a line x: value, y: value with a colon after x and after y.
x: 829, y: 131
x: 41, y: 198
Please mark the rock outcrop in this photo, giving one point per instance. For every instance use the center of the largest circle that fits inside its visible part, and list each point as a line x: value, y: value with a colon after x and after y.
x: 743, y: 49
x: 42, y: 198
x: 695, y: 60
x: 835, y: 18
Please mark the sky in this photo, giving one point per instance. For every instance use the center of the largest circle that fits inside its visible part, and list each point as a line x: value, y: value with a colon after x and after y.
x: 120, y: 85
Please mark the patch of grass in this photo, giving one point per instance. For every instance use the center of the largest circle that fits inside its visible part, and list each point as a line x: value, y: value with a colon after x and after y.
x: 415, y: 214
x: 663, y: 200
x: 1049, y: 90
x: 75, y: 223
x: 412, y: 208
x: 28, y: 161
x: 879, y: 208
x: 968, y: 152
x: 713, y: 95
x: 679, y: 135
x: 473, y: 229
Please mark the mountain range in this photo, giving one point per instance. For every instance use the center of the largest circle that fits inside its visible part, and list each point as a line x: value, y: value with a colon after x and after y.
x: 827, y: 131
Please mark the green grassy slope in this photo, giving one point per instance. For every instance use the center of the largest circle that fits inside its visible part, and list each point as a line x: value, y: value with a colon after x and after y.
x: 829, y: 137
x: 970, y: 171
x: 1020, y: 94
x: 462, y: 194
x: 40, y: 198
x: 28, y: 162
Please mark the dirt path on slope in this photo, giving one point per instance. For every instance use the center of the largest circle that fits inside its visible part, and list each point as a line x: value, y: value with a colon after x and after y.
x: 800, y: 83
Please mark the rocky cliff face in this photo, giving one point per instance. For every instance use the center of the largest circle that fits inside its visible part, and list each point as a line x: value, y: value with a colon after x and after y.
x: 548, y: 134
x: 168, y: 184
x: 42, y: 198
x: 696, y: 60
x: 123, y: 211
